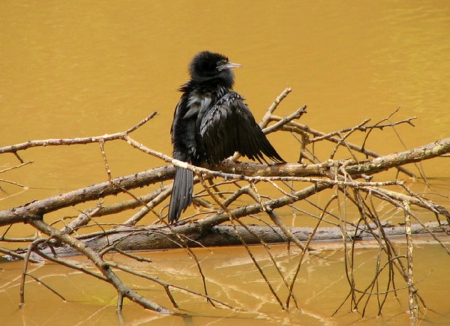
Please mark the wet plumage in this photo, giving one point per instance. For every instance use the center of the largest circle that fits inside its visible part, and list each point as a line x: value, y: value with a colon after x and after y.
x: 210, y: 123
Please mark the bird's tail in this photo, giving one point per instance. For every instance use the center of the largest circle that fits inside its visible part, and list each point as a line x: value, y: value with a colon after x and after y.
x: 181, y: 193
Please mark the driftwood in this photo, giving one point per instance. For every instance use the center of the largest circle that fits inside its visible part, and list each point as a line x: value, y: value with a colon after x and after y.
x: 218, y: 218
x: 157, y: 237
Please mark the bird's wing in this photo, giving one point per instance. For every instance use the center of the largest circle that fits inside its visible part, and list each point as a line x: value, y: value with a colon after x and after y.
x: 229, y: 126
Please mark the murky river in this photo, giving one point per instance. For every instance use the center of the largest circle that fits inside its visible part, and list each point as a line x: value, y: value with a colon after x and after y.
x: 83, y: 68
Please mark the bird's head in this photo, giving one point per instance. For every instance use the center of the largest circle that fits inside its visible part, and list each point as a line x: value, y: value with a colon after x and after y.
x: 207, y: 66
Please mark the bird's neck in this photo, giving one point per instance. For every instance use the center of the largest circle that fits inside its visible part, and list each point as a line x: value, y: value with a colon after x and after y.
x: 224, y: 79
x: 216, y: 86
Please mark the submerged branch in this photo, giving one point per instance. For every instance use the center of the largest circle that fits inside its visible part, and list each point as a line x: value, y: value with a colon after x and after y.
x: 157, y: 238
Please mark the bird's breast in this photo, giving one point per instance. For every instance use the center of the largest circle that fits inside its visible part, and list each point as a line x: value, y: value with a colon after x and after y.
x: 198, y: 103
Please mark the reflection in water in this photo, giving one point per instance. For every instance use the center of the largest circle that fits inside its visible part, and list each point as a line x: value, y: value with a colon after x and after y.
x: 232, y: 279
x: 90, y: 68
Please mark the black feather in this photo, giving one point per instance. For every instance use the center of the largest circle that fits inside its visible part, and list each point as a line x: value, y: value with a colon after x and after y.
x: 210, y: 123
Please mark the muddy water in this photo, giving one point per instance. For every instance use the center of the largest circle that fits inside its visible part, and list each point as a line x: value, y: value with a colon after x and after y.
x: 77, y: 69
x: 232, y: 279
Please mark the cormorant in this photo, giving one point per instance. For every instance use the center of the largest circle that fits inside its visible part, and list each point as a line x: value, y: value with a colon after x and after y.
x: 210, y: 123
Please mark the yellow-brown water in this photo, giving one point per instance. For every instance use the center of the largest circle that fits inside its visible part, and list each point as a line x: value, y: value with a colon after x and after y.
x: 76, y: 69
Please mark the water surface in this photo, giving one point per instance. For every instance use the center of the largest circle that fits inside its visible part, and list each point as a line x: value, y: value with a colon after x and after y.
x: 78, y: 69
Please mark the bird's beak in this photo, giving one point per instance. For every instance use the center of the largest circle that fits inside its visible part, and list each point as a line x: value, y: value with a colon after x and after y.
x: 228, y: 65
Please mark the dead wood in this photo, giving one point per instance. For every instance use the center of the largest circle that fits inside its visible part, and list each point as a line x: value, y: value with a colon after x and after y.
x: 158, y: 238
x: 228, y: 169
x: 232, y: 190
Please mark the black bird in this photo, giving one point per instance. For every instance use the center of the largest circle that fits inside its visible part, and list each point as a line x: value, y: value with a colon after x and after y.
x: 210, y: 123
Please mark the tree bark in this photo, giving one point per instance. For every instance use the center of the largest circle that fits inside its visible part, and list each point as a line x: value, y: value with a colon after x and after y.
x: 157, y: 238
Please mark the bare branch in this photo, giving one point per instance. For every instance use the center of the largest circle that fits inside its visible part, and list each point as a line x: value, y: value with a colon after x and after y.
x: 343, y: 193
x: 72, y: 141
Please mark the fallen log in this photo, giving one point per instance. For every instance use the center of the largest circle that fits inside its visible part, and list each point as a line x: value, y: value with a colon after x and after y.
x: 162, y: 237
